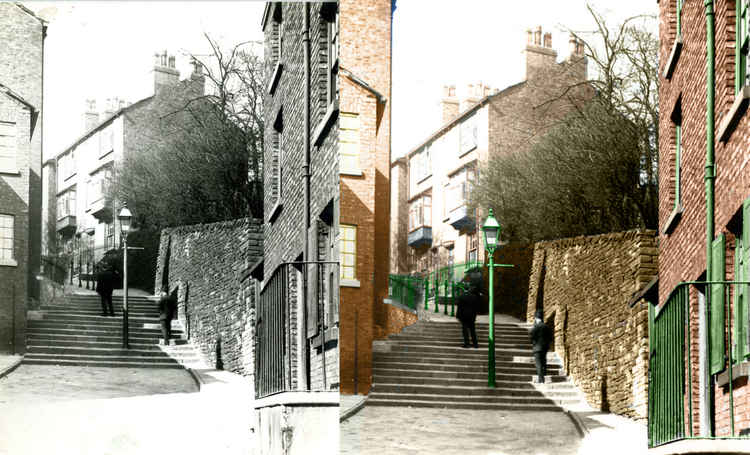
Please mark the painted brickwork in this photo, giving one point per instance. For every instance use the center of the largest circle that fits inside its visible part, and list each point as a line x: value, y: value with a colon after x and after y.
x: 584, y: 285
x: 21, y: 61
x: 215, y: 305
x: 682, y: 98
x: 365, y: 199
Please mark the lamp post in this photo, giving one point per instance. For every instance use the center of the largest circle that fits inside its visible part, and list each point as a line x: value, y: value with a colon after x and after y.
x: 90, y: 233
x: 125, y: 216
x: 491, y: 230
x: 79, y: 234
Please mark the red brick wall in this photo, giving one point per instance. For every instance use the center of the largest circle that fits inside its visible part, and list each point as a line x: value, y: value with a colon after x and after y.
x: 683, y: 251
x: 365, y: 200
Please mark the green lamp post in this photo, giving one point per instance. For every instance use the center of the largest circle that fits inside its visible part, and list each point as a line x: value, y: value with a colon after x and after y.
x: 491, y: 230
x: 125, y: 217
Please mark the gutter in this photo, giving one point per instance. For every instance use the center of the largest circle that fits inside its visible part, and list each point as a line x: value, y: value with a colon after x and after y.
x: 306, y: 177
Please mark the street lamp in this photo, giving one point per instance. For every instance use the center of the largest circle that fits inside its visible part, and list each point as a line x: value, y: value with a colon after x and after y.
x: 80, y: 256
x: 125, y: 216
x: 90, y: 233
x: 491, y: 230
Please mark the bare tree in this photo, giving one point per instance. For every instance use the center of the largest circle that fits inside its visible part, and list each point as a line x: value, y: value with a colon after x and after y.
x: 200, y: 158
x: 596, y: 170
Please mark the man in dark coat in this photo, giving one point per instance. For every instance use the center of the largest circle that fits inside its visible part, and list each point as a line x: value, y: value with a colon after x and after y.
x: 541, y: 337
x: 105, y: 284
x: 468, y: 306
x: 167, y: 309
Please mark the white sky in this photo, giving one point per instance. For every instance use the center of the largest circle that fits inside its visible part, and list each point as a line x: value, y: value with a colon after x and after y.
x: 443, y: 42
x: 104, y: 50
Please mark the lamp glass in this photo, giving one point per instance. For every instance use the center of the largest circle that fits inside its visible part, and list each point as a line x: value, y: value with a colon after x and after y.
x: 491, y: 230
x: 125, y: 216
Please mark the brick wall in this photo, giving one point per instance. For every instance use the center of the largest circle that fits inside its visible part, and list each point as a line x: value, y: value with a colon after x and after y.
x: 216, y: 305
x: 21, y: 60
x: 584, y: 285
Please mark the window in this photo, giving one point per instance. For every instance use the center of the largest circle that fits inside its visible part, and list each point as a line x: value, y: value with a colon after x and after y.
x: 471, y: 247
x: 420, y: 212
x: 679, y: 16
x: 109, y: 235
x: 332, y: 64
x: 461, y: 184
x: 98, y: 185
x: 741, y: 48
x: 468, y: 132
x: 277, y: 166
x: 421, y: 165
x: 7, y: 223
x: 348, y: 252
x: 349, y: 144
x: 66, y: 204
x: 8, y: 147
x: 67, y: 166
x: 741, y: 273
x: 106, y: 141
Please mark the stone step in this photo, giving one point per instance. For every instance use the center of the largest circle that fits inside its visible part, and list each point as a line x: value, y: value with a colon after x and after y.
x: 151, y: 351
x: 108, y: 323
x: 477, y: 390
x: 459, y: 351
x: 418, y: 403
x: 111, y: 363
x: 98, y: 318
x: 37, y: 344
x: 95, y: 331
x: 456, y: 328
x: 388, y: 375
x: 458, y: 343
x: 499, y: 338
x: 472, y: 399
x: 37, y: 337
x: 437, y: 365
x: 472, y: 356
x: 477, y: 382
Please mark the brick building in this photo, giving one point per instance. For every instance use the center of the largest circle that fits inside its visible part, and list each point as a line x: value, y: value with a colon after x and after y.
x: 21, y: 61
x: 297, y: 360
x: 699, y: 333
x: 433, y: 226
x: 80, y: 221
x: 365, y: 151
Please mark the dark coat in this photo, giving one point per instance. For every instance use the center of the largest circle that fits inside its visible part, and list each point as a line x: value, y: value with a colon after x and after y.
x: 167, y: 307
x: 540, y: 337
x: 468, y: 307
x: 105, y: 283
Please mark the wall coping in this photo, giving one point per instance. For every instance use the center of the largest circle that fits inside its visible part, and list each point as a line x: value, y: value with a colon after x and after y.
x: 299, y: 398
x: 206, y: 226
x: 600, y: 238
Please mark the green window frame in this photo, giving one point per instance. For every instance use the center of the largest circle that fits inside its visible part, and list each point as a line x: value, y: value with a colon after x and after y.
x: 679, y: 17
x: 742, y: 249
x: 716, y: 319
x: 741, y: 46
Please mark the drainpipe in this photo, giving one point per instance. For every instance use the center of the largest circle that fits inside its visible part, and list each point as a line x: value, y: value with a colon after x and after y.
x: 306, y: 177
x: 705, y: 377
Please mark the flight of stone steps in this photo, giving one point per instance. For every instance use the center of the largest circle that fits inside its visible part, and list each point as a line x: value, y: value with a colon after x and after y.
x: 73, y: 332
x: 426, y: 366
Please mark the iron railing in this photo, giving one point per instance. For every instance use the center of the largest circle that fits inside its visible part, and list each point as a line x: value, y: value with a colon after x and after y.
x: 441, y: 285
x: 673, y: 391
x: 405, y: 290
x: 273, y: 369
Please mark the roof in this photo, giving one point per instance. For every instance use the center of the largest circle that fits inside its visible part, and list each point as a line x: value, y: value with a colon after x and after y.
x: 359, y: 81
x: 461, y: 116
x: 5, y: 89
x: 31, y: 13
x: 104, y: 123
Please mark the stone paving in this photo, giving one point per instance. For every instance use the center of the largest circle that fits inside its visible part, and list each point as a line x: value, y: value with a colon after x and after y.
x: 117, y: 411
x: 399, y: 430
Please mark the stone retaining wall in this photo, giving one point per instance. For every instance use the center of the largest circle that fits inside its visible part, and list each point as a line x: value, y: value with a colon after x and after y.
x: 584, y: 285
x: 216, y: 301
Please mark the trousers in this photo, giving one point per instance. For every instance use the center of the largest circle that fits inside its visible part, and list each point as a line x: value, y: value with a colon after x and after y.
x: 540, y: 359
x: 107, y: 305
x: 469, y: 327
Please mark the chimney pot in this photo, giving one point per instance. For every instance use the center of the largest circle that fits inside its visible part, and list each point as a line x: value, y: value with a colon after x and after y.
x: 538, y: 36
x: 529, y: 37
x: 548, y: 40
x: 171, y: 61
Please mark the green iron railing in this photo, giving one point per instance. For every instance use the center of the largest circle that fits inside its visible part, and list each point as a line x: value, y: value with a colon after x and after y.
x: 442, y: 285
x: 405, y: 290
x: 673, y: 378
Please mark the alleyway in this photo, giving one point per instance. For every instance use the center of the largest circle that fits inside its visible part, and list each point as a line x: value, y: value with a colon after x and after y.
x: 87, y: 410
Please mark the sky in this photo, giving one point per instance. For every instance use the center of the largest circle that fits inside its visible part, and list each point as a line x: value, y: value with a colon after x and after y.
x: 104, y: 50
x: 445, y: 42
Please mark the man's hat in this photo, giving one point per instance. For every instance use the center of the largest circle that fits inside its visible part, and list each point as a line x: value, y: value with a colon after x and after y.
x: 539, y: 314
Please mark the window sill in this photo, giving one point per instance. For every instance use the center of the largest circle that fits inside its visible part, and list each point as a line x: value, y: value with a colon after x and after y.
x: 740, y: 370
x: 462, y: 154
x: 420, y: 180
x: 15, y: 173
x: 673, y: 57
x: 274, y: 82
x: 349, y: 283
x: 8, y: 263
x: 730, y: 121
x: 325, y: 124
x: 331, y: 336
x: 275, y: 212
x: 351, y: 172
x: 673, y: 220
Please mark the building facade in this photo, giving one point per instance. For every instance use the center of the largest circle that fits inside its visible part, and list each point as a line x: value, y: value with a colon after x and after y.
x: 21, y: 98
x: 699, y: 332
x: 297, y: 338
x: 81, y: 213
x: 434, y: 227
x: 365, y: 151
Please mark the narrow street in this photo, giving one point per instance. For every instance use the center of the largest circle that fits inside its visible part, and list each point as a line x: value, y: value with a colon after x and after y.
x: 91, y: 410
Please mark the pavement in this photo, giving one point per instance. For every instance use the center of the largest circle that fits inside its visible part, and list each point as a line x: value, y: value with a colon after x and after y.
x: 117, y: 411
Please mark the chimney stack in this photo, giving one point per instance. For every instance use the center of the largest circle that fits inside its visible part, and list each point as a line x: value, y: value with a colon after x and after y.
x: 449, y: 103
x: 576, y: 46
x: 165, y: 73
x: 90, y: 115
x: 540, y: 56
x: 474, y: 93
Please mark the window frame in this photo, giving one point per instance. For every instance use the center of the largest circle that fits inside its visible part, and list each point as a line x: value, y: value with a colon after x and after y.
x: 8, y: 230
x: 332, y: 55
x: 357, y: 149
x: 422, y: 205
x: 742, y: 45
x: 12, y: 154
x: 344, y: 278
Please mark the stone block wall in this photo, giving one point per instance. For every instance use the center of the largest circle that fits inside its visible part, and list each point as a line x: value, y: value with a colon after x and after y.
x: 584, y: 285
x: 216, y: 303
x: 512, y: 284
